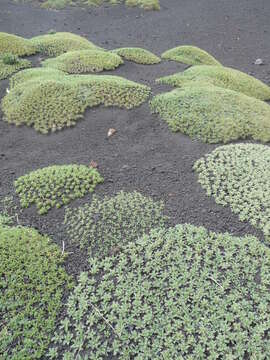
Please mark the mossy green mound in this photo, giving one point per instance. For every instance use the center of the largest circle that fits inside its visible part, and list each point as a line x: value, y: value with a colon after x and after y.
x: 58, y: 43
x: 144, y: 4
x: 137, y: 55
x: 213, y: 114
x: 239, y: 176
x: 56, y: 185
x: 190, y: 55
x: 50, y: 104
x: 32, y: 282
x: 8, y: 69
x: 16, y: 45
x: 83, y: 61
x: 181, y: 293
x: 106, y: 225
x: 224, y: 77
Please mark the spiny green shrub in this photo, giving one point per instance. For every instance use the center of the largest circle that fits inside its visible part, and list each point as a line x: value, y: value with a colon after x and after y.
x: 32, y: 283
x: 106, y: 225
x: 239, y: 176
x: 15, y: 45
x: 180, y: 293
x: 224, y: 77
x: 61, y: 42
x: 138, y: 55
x: 49, y: 104
x: 55, y: 186
x: 83, y: 61
x: 7, y: 69
x: 213, y: 114
x: 190, y: 55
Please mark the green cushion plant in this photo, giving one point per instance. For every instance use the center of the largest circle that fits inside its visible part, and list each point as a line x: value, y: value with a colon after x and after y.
x: 137, y: 55
x: 178, y: 293
x: 106, y: 225
x: 32, y: 284
x: 51, y: 103
x: 55, y: 186
x: 213, y: 114
x: 190, y: 55
x: 144, y: 4
x: 83, y: 61
x: 221, y: 76
x: 9, y: 64
x: 239, y: 176
x: 15, y: 45
x: 55, y: 44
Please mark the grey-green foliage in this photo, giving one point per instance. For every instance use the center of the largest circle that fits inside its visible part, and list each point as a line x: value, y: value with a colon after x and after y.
x: 107, y: 225
x: 239, y: 176
x: 137, y: 55
x: 182, y: 293
x: 213, y: 114
x: 224, y: 77
x: 9, y: 64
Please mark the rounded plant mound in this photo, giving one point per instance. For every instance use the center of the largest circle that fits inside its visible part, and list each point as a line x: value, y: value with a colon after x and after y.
x: 7, y: 69
x: 239, y: 176
x: 50, y: 101
x: 213, y: 114
x: 83, y: 61
x: 224, y: 77
x: 32, y: 282
x: 106, y: 225
x: 190, y: 55
x: 56, y: 185
x: 16, y: 45
x: 137, y: 55
x: 61, y: 42
x: 181, y: 293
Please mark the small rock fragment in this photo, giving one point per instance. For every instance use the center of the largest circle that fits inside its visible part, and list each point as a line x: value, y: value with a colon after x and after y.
x: 111, y: 132
x: 258, y: 62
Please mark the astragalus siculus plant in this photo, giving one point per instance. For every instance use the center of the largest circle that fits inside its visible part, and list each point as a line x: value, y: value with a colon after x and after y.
x: 9, y: 64
x: 238, y: 175
x: 16, y: 45
x: 55, y: 186
x: 178, y: 293
x: 137, y: 55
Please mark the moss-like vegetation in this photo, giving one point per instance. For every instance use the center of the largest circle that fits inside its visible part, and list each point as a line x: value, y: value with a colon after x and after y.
x: 56, y: 185
x: 32, y: 282
x: 15, y: 45
x: 106, y: 225
x: 181, y: 293
x: 190, y: 55
x: 49, y: 103
x: 224, y: 77
x: 83, y: 61
x: 213, y: 114
x: 58, y: 43
x: 7, y: 69
x: 239, y: 176
x: 137, y: 55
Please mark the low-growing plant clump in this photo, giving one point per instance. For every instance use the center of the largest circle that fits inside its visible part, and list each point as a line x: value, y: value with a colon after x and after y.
x: 106, y: 225
x: 55, y: 186
x: 221, y: 76
x: 50, y: 104
x: 83, y: 61
x: 213, y: 114
x: 15, y: 45
x: 55, y: 44
x: 137, y: 55
x: 190, y: 55
x: 239, y: 176
x: 180, y: 293
x: 9, y: 64
x: 32, y: 284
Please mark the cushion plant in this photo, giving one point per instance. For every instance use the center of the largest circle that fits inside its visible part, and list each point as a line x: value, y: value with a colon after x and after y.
x: 56, y: 185
x: 239, y: 176
x: 106, y: 225
x: 32, y: 284
x: 190, y: 55
x: 180, y: 293
x: 224, y: 77
x: 15, y: 45
x: 10, y: 64
x: 213, y: 114
x: 138, y: 55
